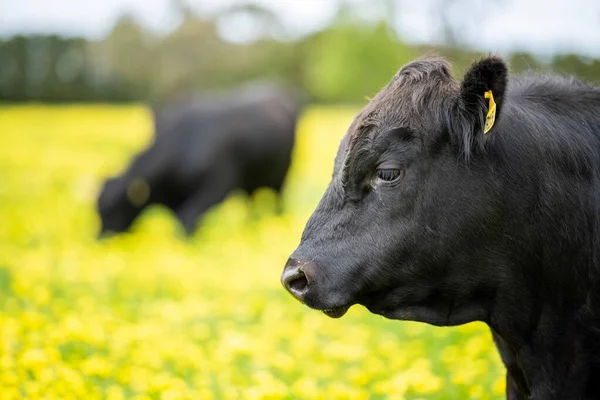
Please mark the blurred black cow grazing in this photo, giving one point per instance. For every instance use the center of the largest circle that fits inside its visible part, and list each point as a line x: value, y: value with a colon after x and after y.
x: 203, y: 149
x: 478, y: 200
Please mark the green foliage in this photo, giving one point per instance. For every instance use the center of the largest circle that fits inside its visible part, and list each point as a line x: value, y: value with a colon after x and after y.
x: 346, y: 61
x: 587, y: 69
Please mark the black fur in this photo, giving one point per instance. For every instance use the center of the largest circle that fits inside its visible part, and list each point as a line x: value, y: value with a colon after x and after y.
x: 501, y: 228
x: 203, y: 149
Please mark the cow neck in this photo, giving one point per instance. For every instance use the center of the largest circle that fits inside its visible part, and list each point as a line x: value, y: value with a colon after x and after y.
x: 556, y: 360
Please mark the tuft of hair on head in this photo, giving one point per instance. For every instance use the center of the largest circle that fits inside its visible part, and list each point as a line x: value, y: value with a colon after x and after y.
x: 422, y: 68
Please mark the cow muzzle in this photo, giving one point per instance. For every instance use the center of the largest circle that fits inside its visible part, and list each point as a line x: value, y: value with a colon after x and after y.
x: 298, y: 278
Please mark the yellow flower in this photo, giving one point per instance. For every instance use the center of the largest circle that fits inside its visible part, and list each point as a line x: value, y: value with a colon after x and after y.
x: 33, y: 358
x: 10, y: 393
x: 152, y: 315
x: 499, y: 386
x: 115, y: 393
x: 305, y: 388
x: 96, y: 366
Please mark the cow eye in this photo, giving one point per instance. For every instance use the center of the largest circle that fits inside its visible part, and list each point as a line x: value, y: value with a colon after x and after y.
x: 389, y: 174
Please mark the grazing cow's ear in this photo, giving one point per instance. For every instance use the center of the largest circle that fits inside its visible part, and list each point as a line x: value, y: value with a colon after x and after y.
x: 481, y: 96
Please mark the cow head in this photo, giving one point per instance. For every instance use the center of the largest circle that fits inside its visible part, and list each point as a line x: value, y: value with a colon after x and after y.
x: 120, y: 202
x: 413, y: 204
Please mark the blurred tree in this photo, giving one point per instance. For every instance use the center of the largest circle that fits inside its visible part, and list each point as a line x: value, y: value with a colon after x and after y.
x: 12, y: 68
x: 352, y: 57
x: 264, y: 20
x: 188, y: 57
x: 350, y: 60
x: 523, y: 62
x: 127, y: 51
x: 572, y: 64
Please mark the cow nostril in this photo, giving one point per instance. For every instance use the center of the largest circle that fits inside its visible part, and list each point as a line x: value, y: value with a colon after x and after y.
x: 296, y: 278
x: 299, y: 283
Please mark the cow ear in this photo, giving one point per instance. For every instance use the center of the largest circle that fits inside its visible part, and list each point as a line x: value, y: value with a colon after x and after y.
x: 481, y: 96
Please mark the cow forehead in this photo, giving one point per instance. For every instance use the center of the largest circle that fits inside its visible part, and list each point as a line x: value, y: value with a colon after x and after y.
x: 402, y: 102
x: 405, y: 97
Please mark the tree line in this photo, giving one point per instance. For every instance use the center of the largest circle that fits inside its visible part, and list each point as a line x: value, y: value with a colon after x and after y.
x: 339, y: 63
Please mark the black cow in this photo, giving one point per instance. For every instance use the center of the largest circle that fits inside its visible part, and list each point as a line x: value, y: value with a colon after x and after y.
x: 476, y: 201
x: 203, y: 149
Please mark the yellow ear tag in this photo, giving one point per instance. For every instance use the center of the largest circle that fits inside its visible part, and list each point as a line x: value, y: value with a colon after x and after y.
x: 490, y: 118
x: 138, y: 192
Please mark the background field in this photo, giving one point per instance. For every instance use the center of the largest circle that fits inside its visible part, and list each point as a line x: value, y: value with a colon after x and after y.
x: 153, y: 315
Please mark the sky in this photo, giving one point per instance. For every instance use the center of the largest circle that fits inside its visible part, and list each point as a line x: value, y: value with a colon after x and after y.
x: 542, y: 26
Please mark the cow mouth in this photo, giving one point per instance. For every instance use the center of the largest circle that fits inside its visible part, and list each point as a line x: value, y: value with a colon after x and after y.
x: 336, y: 312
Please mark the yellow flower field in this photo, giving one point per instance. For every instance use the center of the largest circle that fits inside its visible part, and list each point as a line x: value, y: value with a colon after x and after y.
x: 152, y: 315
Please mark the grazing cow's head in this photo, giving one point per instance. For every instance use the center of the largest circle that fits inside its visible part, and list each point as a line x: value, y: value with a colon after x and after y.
x: 120, y: 202
x: 412, y: 205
